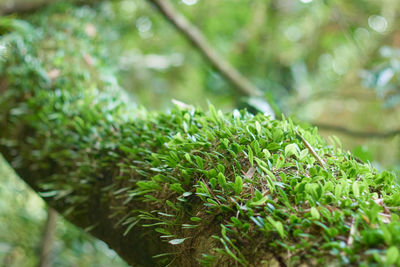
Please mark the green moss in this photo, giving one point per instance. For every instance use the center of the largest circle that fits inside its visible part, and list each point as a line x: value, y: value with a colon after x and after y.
x: 249, y: 182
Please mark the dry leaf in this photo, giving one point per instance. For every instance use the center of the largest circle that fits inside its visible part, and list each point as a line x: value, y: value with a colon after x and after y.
x: 249, y: 174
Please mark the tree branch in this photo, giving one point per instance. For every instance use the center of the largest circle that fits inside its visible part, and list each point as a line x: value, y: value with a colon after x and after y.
x: 47, y: 241
x: 30, y: 7
x: 21, y: 7
x: 196, y: 37
x: 356, y: 133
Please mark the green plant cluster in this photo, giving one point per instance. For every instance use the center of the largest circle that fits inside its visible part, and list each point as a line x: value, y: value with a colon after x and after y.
x: 262, y: 190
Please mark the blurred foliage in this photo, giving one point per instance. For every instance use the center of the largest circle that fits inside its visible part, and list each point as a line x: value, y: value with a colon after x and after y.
x: 335, y: 62
x: 384, y: 76
x: 22, y: 219
x: 312, y: 59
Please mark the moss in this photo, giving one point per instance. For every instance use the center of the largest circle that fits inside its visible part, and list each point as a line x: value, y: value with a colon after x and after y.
x: 201, y: 187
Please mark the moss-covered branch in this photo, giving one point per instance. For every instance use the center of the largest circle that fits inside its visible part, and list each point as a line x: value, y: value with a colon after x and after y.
x: 184, y: 188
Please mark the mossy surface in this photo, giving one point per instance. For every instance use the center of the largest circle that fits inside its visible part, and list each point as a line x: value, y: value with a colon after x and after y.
x: 214, y: 189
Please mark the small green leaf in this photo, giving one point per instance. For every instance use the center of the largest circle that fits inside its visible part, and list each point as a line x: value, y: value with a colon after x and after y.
x: 200, y: 162
x: 280, y: 162
x: 392, y: 254
x: 221, y: 168
x: 303, y: 154
x: 251, y: 156
x: 221, y: 180
x: 172, y: 205
x: 213, y: 113
x: 195, y: 219
x: 278, y: 226
x: 236, y: 222
x: 174, y: 156
x: 186, y: 194
x: 187, y: 156
x: 177, y: 187
x: 238, y: 185
x: 213, y: 182
x: 292, y: 149
x: 267, y: 154
x: 283, y: 177
x: 314, y: 213
x: 259, y: 202
x: 258, y: 127
x: 177, y: 241
x: 387, y: 235
x: 338, y: 190
x: 356, y: 190
x: 163, y: 231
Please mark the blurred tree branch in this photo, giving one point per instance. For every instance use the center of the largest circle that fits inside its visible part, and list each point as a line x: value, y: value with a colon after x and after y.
x: 196, y: 37
x: 47, y: 241
x: 24, y: 7
x: 356, y: 133
x: 29, y: 7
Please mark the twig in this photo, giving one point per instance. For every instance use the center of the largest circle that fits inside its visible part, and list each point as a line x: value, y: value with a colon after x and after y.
x: 312, y: 151
x: 210, y: 190
x: 24, y: 7
x: 350, y: 240
x: 355, y: 133
x: 47, y: 241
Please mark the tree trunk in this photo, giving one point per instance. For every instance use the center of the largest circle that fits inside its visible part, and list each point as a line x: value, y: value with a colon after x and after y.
x: 183, y: 188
